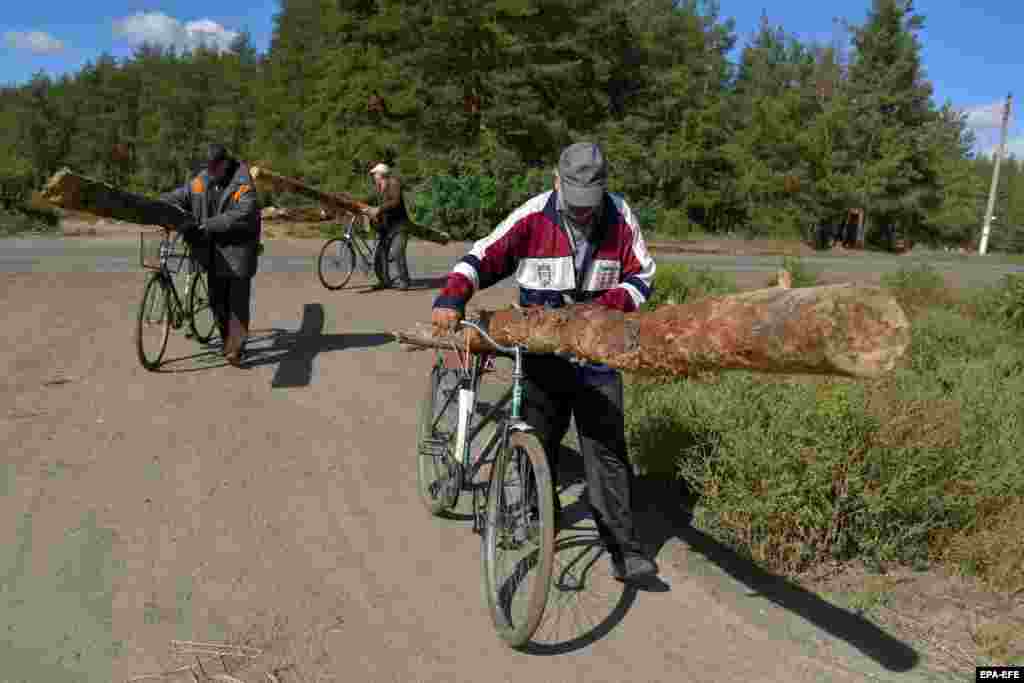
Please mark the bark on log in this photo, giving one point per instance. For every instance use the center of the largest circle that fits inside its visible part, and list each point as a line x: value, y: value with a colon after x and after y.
x: 846, y: 330
x: 340, y: 201
x: 75, y: 192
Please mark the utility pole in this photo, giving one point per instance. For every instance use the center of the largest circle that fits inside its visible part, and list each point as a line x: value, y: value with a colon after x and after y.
x: 987, y: 227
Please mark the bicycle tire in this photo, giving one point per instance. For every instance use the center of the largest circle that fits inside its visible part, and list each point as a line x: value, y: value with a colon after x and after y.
x: 155, y: 287
x: 345, y: 262
x: 439, y: 495
x: 517, y: 632
x: 195, y: 303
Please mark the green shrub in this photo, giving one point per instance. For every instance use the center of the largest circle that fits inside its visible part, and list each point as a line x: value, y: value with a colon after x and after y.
x: 1009, y: 302
x: 918, y: 287
x: 676, y: 283
x: 802, y: 274
x: 905, y: 469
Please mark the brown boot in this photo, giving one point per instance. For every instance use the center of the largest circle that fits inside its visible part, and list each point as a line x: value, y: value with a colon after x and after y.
x: 234, y: 345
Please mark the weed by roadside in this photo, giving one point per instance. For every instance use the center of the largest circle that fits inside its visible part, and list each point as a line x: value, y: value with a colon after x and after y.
x: 801, y: 274
x: 921, y: 468
x: 677, y: 283
x: 13, y: 224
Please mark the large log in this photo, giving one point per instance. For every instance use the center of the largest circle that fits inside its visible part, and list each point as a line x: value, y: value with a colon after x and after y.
x: 339, y: 201
x: 76, y: 192
x: 845, y: 330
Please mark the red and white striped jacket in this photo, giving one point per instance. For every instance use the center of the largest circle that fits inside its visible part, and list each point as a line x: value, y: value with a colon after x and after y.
x: 533, y: 245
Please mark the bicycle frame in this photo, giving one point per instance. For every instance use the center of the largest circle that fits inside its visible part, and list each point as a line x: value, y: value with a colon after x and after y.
x: 187, y: 261
x: 364, y: 251
x: 469, y: 379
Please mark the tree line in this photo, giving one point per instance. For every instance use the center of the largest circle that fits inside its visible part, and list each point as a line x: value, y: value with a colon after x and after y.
x: 473, y: 99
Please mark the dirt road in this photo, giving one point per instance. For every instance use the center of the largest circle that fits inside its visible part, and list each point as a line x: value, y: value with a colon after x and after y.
x: 276, y: 505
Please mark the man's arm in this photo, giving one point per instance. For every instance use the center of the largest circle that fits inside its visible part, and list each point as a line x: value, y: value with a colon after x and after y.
x: 491, y: 260
x: 636, y: 282
x: 243, y: 206
x: 181, y: 198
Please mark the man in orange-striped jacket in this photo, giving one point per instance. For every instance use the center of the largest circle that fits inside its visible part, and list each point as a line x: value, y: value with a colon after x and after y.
x: 223, y: 201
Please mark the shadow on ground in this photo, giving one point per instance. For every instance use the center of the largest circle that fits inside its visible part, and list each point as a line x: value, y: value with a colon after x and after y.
x: 663, y: 511
x: 416, y: 284
x: 292, y: 351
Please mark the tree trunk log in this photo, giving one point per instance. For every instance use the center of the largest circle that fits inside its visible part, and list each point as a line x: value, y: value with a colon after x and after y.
x: 340, y: 201
x: 75, y: 192
x: 846, y: 330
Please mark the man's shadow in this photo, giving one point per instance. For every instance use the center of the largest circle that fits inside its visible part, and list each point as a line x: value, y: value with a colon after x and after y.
x: 663, y: 510
x: 294, y: 352
x: 415, y: 284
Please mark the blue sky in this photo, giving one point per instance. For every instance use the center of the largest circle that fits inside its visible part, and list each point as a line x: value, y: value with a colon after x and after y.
x: 970, y: 46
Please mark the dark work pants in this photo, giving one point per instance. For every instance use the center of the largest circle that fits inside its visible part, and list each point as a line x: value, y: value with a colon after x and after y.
x: 229, y: 299
x: 392, y: 244
x: 556, y: 390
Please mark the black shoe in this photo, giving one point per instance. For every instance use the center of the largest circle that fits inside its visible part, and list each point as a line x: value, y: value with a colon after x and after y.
x: 377, y: 286
x: 404, y: 286
x: 633, y: 567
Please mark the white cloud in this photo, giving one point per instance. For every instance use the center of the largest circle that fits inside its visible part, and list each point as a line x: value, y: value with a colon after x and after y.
x: 985, y: 115
x: 158, y: 28
x: 1014, y: 146
x: 36, y: 42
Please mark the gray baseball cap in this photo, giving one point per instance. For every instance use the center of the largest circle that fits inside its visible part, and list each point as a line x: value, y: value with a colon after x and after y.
x: 584, y: 174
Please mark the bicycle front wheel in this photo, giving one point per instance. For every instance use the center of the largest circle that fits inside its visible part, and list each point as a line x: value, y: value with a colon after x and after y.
x: 519, y: 539
x: 437, y: 470
x: 336, y: 263
x: 154, y: 323
x: 200, y: 318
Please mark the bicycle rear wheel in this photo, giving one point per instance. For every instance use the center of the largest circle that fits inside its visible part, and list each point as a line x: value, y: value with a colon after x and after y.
x: 438, y: 472
x: 200, y: 318
x: 153, y: 325
x: 519, y: 539
x: 336, y: 263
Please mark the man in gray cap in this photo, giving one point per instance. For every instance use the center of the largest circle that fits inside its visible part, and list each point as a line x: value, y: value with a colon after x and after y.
x: 222, y: 200
x: 578, y: 243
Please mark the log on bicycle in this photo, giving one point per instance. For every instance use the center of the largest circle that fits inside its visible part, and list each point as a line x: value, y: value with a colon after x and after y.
x: 844, y: 329
x: 338, y: 201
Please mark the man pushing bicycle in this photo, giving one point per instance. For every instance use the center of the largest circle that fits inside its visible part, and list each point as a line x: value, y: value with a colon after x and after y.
x: 578, y: 243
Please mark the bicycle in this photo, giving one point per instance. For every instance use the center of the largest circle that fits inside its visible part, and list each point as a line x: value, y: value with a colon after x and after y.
x: 340, y: 256
x: 162, y: 308
x: 517, y: 508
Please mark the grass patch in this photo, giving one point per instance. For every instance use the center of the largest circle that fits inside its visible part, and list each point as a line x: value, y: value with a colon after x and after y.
x: 921, y: 467
x: 29, y: 221
x: 676, y: 283
x: 801, y: 274
x: 917, y: 288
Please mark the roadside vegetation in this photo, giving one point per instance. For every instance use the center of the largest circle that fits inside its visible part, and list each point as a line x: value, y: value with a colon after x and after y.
x: 923, y: 468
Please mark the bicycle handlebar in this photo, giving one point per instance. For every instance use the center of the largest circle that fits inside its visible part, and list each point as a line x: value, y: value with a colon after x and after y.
x: 489, y: 339
x: 511, y: 351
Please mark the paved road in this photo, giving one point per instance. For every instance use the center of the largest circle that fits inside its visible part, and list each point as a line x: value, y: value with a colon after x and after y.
x: 294, y: 256
x: 276, y: 504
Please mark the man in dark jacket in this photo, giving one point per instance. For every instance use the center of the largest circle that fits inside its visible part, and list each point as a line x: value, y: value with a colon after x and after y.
x: 391, y: 218
x: 577, y: 244
x: 223, y: 201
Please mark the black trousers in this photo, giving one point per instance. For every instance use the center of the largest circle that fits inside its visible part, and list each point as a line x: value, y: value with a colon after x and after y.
x: 230, y: 300
x: 555, y: 391
x: 392, y: 244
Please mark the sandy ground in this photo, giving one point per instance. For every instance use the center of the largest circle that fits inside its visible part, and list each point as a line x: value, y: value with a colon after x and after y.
x: 275, y: 505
